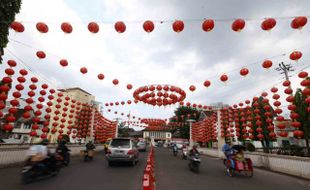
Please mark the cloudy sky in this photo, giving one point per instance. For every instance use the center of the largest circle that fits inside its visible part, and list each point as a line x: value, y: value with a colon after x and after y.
x: 163, y: 56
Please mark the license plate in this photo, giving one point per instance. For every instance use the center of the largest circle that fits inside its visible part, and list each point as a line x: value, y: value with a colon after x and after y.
x: 119, y: 152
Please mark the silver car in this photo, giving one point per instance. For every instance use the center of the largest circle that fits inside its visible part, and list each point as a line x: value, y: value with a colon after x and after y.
x: 122, y: 150
x: 141, y: 146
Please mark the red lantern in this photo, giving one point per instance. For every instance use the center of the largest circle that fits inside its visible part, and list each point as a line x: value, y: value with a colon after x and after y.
x: 178, y: 26
x: 296, y: 55
x: 129, y: 86
x: 238, y: 25
x: 100, y: 76
x: 12, y: 63
x: 40, y: 54
x: 66, y: 27
x: 244, y: 71
x: 192, y: 88
x: 120, y: 27
x: 286, y: 83
x: 224, y: 78
x: 8, y: 127
x: 33, y: 133
x: 299, y: 22
x: 207, y: 83
x: 208, y: 25
x: 268, y: 24
x: 83, y: 70
x: 148, y: 26
x: 63, y: 62
x: 274, y: 90
x: 302, y: 74
x: 93, y: 27
x: 298, y: 134
x: 115, y: 82
x: 42, y: 27
x: 267, y: 64
x: 17, y: 26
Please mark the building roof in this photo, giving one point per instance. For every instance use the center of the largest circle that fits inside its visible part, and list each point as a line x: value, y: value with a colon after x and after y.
x: 75, y: 88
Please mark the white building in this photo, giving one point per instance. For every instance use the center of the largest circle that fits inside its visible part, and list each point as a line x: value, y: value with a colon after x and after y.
x: 164, y: 136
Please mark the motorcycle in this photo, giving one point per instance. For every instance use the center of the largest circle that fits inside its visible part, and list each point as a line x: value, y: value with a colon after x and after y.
x: 88, y: 155
x: 63, y: 157
x: 34, y: 171
x: 194, y: 163
x: 184, y: 154
x: 175, y: 150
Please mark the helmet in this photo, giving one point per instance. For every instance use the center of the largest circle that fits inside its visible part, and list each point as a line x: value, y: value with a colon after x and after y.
x: 44, y: 142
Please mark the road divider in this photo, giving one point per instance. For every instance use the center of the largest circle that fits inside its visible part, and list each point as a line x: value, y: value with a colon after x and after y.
x: 148, y: 181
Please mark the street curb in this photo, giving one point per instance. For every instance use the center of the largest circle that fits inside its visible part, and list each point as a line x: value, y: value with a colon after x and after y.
x: 265, y: 169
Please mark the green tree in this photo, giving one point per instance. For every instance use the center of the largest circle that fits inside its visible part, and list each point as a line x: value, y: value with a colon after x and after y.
x: 266, y: 141
x: 182, y: 114
x: 304, y: 116
x: 8, y: 10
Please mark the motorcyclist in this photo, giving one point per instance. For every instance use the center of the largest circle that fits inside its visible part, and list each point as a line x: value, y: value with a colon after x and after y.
x: 193, y: 151
x: 227, y: 150
x: 41, y: 156
x: 63, y: 150
x: 174, y: 148
x: 106, y: 146
x: 90, y: 146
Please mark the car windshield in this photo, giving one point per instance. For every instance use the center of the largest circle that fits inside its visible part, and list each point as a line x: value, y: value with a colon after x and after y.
x: 141, y: 143
x: 123, y: 143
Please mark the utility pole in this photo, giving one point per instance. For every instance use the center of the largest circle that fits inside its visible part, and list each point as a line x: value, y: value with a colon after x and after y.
x: 284, y: 69
x: 191, y: 141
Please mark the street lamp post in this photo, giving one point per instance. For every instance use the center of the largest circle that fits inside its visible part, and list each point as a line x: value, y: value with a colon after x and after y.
x: 191, y: 142
x: 117, y: 121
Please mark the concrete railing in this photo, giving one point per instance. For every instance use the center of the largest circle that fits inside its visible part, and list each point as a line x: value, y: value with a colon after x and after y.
x: 13, y: 155
x: 292, y: 165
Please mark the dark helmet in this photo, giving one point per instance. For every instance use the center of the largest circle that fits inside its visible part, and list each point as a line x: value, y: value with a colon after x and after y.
x: 44, y: 142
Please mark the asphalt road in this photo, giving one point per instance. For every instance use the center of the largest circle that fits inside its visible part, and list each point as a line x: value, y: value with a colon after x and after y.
x: 82, y: 176
x: 171, y: 173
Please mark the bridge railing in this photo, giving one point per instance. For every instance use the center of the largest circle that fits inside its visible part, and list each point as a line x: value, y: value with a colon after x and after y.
x: 292, y: 165
x: 14, y: 154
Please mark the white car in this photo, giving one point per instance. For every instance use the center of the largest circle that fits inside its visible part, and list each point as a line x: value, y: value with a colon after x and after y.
x: 122, y: 150
x: 179, y: 146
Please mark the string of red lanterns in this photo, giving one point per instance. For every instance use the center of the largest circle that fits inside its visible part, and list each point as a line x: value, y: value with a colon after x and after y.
x: 178, y: 26
x: 160, y: 95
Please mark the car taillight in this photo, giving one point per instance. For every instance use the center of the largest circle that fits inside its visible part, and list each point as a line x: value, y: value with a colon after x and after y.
x: 130, y: 152
x: 109, y: 151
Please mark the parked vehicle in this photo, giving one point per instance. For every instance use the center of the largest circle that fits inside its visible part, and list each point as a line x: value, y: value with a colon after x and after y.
x: 194, y: 163
x: 122, y: 150
x: 141, y: 146
x: 179, y: 146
